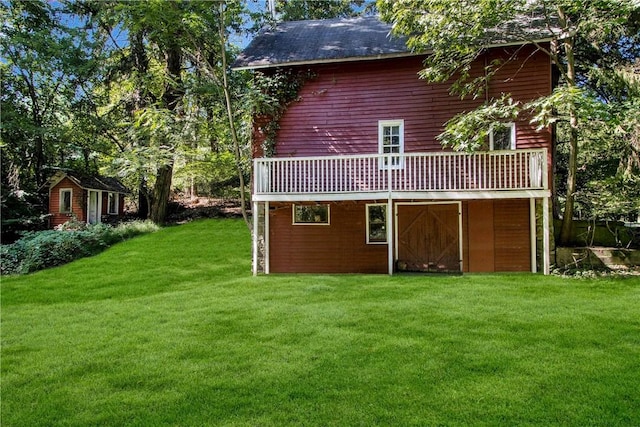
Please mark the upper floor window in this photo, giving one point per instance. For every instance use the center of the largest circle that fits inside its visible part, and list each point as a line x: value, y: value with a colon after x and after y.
x: 65, y: 200
x: 391, y: 141
x: 503, y: 137
x: 113, y: 204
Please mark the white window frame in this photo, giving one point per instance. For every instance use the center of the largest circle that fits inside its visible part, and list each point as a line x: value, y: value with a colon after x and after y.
x: 61, y: 201
x: 368, y: 221
x: 293, y: 214
x: 512, y: 128
x: 116, y: 199
x: 382, y: 124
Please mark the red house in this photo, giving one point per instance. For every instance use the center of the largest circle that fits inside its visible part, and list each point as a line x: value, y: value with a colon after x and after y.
x: 355, y: 180
x: 90, y: 199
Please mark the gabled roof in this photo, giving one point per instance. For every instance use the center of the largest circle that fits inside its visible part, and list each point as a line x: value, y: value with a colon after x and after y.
x: 353, y: 39
x: 90, y: 182
x: 327, y: 40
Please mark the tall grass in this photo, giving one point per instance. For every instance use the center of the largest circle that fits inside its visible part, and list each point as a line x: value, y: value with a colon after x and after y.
x: 171, y: 329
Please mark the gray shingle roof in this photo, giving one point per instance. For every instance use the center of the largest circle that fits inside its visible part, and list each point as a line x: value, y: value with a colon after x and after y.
x: 104, y: 183
x: 331, y: 40
x: 302, y: 42
x: 90, y: 182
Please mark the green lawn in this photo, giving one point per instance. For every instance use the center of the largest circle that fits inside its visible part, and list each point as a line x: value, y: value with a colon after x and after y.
x: 172, y: 329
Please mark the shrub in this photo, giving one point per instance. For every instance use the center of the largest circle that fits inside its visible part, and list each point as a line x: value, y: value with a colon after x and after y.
x: 39, y: 250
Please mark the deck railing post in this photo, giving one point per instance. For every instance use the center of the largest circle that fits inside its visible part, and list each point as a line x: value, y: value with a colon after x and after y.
x: 545, y: 171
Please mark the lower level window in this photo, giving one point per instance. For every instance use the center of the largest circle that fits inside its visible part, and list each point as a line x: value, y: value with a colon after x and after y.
x: 377, y: 223
x: 311, y: 214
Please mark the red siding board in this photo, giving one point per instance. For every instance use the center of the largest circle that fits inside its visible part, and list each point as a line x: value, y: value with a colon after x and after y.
x: 339, y: 247
x: 511, y: 235
x: 338, y: 111
x: 495, y: 237
x: 78, y: 203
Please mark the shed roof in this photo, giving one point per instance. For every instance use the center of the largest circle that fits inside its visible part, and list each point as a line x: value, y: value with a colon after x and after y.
x: 90, y: 182
x: 352, y: 39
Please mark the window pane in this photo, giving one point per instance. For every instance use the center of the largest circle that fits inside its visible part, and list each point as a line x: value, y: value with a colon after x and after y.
x: 390, y: 140
x: 65, y: 201
x: 377, y: 223
x: 113, y: 203
x: 502, y: 137
x: 311, y: 214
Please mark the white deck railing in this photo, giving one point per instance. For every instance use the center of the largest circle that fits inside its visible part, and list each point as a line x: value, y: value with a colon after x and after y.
x: 413, y: 172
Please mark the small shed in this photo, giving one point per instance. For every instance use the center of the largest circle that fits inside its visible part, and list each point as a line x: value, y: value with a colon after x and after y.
x: 87, y: 198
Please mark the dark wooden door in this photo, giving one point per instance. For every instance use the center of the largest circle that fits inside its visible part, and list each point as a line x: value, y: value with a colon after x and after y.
x: 428, y: 238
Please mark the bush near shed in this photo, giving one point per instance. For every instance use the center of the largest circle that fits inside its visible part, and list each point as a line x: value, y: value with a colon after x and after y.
x: 39, y: 250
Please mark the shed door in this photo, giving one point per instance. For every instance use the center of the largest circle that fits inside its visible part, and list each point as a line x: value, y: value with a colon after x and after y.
x: 93, y: 212
x: 429, y: 237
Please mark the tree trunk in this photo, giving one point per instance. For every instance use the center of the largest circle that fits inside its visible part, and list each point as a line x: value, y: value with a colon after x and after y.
x: 161, y: 191
x: 567, y: 218
x: 170, y: 98
x: 143, y: 199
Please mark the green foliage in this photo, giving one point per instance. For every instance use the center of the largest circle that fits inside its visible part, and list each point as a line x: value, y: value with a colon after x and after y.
x: 272, y: 95
x: 21, y: 212
x: 454, y: 34
x: 594, y: 46
x: 469, y: 131
x: 317, y: 9
x: 47, y: 69
x: 205, y: 172
x: 44, y: 249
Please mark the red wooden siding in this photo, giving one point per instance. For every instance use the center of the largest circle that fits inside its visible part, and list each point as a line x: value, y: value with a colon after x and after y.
x: 511, y: 233
x: 338, y: 111
x: 495, y: 237
x: 339, y: 247
x: 480, y: 230
x: 78, y: 203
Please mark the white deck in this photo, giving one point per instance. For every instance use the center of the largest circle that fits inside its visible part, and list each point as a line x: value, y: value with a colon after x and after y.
x: 521, y: 174
x: 439, y: 175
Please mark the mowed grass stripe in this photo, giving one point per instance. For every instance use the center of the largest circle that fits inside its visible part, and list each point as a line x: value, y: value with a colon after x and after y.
x: 172, y: 329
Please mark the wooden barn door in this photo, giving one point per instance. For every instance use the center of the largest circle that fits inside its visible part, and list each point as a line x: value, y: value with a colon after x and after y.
x: 428, y: 237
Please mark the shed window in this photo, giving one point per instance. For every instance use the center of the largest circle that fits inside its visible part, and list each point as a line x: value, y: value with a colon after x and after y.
x: 503, y: 137
x: 65, y: 200
x: 310, y: 214
x: 377, y: 223
x: 113, y: 204
x: 391, y: 141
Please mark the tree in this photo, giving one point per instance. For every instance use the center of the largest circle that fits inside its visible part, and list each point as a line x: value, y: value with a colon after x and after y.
x: 161, y: 100
x: 44, y: 71
x: 317, y: 9
x: 455, y: 33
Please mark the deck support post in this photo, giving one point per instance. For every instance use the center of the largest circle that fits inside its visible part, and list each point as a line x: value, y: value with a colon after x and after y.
x: 265, y: 250
x: 390, y: 233
x: 532, y: 233
x: 389, y: 160
x: 254, y: 214
x: 546, y: 264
